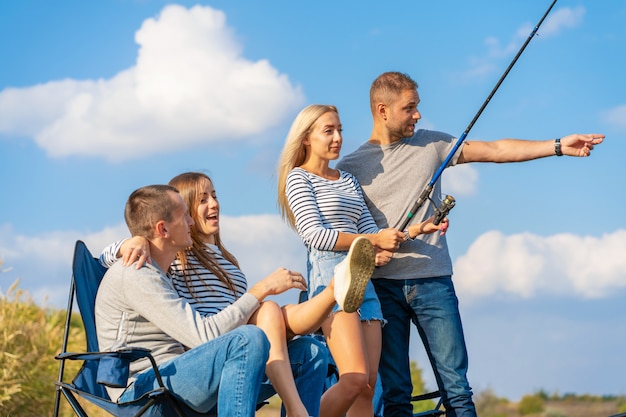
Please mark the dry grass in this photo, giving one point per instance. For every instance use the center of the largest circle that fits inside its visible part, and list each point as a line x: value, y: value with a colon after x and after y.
x: 30, y: 338
x: 488, y: 405
x: 561, y: 409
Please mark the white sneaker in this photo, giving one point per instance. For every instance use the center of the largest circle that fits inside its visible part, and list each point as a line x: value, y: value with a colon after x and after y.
x: 353, y: 273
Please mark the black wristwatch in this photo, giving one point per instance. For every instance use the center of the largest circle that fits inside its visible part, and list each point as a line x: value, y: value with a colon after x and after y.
x: 557, y: 147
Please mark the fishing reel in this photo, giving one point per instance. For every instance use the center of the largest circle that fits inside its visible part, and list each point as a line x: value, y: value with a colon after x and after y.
x: 444, y: 208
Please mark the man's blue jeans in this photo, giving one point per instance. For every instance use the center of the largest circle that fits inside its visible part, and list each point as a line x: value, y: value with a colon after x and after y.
x: 234, y: 380
x: 225, y: 372
x: 431, y: 304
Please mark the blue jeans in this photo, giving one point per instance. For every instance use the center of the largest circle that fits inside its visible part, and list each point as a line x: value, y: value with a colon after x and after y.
x: 309, y: 364
x: 244, y: 379
x: 431, y: 304
x: 225, y: 372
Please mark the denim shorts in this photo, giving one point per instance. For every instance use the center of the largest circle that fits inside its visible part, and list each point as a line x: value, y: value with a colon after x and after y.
x: 321, y: 268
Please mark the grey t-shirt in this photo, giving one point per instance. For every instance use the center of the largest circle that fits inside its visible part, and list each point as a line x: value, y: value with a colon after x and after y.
x: 392, y: 177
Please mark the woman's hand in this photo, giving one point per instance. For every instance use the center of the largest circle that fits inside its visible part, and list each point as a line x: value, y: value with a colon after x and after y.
x: 135, y: 249
x: 278, y: 282
x: 388, y: 239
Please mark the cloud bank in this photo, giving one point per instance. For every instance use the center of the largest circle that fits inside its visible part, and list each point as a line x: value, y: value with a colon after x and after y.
x: 521, y: 265
x: 526, y: 265
x: 616, y: 118
x: 190, y: 85
x: 261, y: 243
x: 460, y: 180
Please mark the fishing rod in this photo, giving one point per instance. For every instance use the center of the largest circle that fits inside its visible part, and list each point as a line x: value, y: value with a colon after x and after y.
x: 442, y: 210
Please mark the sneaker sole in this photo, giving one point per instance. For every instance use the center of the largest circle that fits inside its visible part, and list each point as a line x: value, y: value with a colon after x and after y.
x: 360, y: 268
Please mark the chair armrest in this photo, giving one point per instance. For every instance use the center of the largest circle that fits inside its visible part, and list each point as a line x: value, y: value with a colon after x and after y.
x: 128, y: 353
x: 113, y: 367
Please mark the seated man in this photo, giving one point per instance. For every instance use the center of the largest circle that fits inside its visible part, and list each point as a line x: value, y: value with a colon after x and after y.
x: 205, y: 362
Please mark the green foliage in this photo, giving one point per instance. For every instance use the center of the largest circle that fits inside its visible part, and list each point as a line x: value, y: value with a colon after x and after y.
x: 419, y: 388
x: 530, y: 404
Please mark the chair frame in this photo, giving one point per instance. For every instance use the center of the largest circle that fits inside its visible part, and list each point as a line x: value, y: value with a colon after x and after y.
x: 71, y: 391
x: 435, y: 412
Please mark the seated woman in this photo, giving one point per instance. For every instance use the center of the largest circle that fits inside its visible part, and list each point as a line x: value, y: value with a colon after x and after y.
x: 209, y: 278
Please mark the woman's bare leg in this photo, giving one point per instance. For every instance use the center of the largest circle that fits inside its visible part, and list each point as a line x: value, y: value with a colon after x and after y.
x: 344, y: 336
x: 363, y: 405
x: 307, y: 317
x: 269, y: 318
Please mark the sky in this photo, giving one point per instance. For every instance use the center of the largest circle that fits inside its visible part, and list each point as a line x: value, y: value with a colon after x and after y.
x: 100, y: 98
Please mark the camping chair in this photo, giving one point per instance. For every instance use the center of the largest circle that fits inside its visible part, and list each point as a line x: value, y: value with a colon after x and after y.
x: 88, y: 383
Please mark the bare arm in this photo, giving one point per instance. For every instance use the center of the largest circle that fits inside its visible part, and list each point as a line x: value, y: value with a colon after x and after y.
x: 278, y: 282
x: 387, y: 239
x: 517, y: 150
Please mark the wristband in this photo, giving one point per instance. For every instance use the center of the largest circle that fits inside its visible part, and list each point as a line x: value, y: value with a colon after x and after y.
x: 557, y: 147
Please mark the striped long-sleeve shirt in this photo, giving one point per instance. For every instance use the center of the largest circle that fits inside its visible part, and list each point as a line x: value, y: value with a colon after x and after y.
x: 322, y: 208
x: 211, y: 295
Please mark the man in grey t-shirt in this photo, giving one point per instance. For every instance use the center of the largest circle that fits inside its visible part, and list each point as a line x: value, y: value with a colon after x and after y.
x: 417, y: 284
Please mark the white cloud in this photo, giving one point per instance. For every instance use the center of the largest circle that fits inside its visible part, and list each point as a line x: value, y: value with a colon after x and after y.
x: 459, y: 180
x: 43, y: 264
x: 526, y: 265
x: 261, y: 243
x: 555, y: 22
x: 563, y: 18
x: 616, y: 117
x: 523, y: 265
x: 190, y: 85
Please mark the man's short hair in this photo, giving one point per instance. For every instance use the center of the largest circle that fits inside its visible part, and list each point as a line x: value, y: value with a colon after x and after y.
x: 387, y: 86
x: 148, y: 205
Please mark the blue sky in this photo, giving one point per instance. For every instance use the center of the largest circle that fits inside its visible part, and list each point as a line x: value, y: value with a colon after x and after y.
x: 100, y: 98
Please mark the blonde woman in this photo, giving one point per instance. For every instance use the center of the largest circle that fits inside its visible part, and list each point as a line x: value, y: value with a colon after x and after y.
x: 326, y: 207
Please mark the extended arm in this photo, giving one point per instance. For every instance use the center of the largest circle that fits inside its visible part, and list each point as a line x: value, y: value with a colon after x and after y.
x: 518, y: 150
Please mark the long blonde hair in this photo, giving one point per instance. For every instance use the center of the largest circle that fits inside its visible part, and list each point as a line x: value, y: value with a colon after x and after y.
x: 190, y: 185
x: 294, y: 153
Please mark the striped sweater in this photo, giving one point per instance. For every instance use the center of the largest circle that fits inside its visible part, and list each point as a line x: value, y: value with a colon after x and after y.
x: 211, y: 295
x: 322, y: 208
